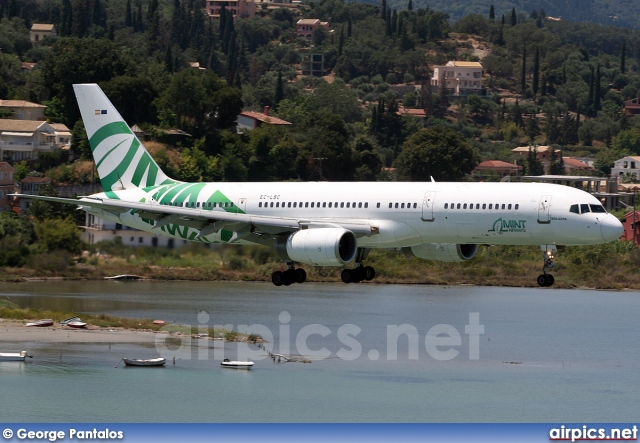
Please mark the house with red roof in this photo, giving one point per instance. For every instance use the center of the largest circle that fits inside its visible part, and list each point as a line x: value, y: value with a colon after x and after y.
x: 248, y: 120
x: 500, y: 167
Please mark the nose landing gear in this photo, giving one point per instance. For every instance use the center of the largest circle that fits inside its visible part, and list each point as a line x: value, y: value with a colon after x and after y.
x: 548, y: 252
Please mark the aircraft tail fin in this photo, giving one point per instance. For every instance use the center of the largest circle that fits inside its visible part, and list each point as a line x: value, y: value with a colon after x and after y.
x: 122, y: 161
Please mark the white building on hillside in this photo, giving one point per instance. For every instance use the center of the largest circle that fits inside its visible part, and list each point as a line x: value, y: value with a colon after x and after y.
x: 462, y: 78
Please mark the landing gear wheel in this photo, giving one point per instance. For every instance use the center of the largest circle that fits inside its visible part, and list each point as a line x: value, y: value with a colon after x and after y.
x: 346, y: 276
x: 545, y: 280
x: 277, y: 278
x: 358, y: 274
x: 369, y: 273
x: 300, y: 275
x: 289, y: 276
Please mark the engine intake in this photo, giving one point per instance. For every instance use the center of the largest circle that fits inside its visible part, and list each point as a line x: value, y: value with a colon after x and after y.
x: 319, y: 247
x: 445, y: 252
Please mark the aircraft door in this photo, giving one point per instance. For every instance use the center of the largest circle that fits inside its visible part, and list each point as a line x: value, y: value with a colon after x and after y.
x: 427, y: 206
x: 543, y: 209
x: 242, y: 204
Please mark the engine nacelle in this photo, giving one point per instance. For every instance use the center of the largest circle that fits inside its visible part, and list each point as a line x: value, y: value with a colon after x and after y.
x: 446, y: 252
x: 319, y: 247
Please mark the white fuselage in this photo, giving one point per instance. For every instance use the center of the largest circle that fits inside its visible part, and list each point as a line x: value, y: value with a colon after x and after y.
x: 403, y: 214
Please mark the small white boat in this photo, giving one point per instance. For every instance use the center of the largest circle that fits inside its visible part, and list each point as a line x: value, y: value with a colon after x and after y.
x: 66, y: 321
x: 14, y: 356
x: 41, y: 323
x: 76, y: 324
x: 145, y: 362
x: 236, y: 364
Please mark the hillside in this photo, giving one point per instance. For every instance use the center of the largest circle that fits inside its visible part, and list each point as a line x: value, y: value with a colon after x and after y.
x: 618, y: 13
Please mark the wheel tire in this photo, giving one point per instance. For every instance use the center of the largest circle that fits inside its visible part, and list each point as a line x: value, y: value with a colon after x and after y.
x: 542, y: 280
x: 550, y: 280
x: 357, y: 274
x: 369, y: 273
x: 301, y: 275
x: 289, y: 276
x: 277, y: 278
x: 346, y: 276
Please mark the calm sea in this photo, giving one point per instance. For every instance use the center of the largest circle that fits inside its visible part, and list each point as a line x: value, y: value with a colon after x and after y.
x: 381, y: 353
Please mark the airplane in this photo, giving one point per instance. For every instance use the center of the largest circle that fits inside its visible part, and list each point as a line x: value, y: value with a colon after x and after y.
x: 330, y: 223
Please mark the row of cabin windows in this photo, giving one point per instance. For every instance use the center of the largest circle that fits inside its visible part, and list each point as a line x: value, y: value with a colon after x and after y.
x: 484, y: 206
x: 313, y: 205
x: 401, y: 205
x: 205, y: 205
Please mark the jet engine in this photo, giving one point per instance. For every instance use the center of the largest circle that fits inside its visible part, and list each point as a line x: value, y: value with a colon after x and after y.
x: 446, y: 252
x: 319, y: 247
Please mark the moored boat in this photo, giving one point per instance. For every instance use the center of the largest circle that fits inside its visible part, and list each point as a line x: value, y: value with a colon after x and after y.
x: 76, y: 324
x: 66, y: 321
x: 14, y: 356
x: 41, y: 323
x: 145, y: 362
x: 234, y: 364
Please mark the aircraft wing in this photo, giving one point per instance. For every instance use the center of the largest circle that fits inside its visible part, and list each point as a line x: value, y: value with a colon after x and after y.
x: 208, y: 221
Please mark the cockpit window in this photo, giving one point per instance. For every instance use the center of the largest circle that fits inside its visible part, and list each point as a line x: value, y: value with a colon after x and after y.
x: 597, y: 208
x: 574, y: 209
x: 584, y: 208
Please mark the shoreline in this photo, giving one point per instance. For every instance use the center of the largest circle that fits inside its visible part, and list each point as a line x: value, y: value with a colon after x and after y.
x: 557, y: 285
x: 15, y: 331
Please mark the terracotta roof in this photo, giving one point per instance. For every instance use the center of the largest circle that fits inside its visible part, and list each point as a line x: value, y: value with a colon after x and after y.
x: 35, y: 180
x: 575, y: 163
x: 414, y: 112
x: 525, y: 149
x: 308, y: 21
x: 28, y: 65
x: 498, y: 164
x: 19, y: 104
x: 42, y: 27
x: 264, y: 118
x: 59, y: 127
x: 19, y: 125
x: 461, y: 64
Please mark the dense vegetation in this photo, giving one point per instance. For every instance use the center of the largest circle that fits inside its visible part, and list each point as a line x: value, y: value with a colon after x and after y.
x: 549, y: 82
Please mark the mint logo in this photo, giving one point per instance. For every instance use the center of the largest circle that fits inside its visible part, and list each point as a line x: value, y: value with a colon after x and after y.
x: 501, y: 225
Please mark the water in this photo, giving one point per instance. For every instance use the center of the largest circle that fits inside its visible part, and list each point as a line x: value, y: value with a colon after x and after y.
x: 545, y: 355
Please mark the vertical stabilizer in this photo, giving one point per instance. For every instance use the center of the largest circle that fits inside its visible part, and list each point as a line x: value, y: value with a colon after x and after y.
x: 121, y: 160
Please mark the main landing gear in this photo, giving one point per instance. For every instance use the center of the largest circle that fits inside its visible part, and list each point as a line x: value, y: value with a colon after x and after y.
x: 545, y: 279
x: 357, y: 274
x: 360, y: 272
x: 291, y: 275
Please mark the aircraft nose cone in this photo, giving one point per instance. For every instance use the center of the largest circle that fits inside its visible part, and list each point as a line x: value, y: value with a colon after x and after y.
x: 611, y: 228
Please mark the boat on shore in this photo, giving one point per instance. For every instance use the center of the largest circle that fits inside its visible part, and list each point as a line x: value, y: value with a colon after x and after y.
x: 145, y: 362
x: 66, y: 321
x: 234, y: 364
x: 14, y: 356
x: 77, y: 324
x: 41, y: 323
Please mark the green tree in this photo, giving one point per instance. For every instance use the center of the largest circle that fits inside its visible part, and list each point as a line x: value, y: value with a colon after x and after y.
x: 59, y: 234
x: 533, y: 165
x: 74, y: 60
x: 439, y: 152
x: 536, y: 72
